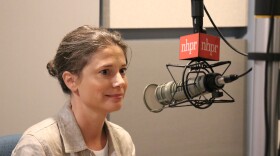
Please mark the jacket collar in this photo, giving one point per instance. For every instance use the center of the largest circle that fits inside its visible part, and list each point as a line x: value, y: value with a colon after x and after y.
x: 72, y: 138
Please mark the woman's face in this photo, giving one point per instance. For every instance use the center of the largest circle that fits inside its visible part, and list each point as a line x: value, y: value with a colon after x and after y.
x: 103, y: 83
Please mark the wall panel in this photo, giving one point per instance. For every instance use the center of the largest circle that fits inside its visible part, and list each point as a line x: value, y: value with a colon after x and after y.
x: 31, y: 31
x: 171, y: 14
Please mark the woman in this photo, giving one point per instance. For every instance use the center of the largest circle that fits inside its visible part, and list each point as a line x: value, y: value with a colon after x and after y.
x: 90, y: 66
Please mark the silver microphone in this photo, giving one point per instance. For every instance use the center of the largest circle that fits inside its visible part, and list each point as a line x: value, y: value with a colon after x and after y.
x: 156, y: 97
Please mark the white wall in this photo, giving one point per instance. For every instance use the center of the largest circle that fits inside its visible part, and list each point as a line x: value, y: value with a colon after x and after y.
x: 172, y: 14
x: 31, y: 31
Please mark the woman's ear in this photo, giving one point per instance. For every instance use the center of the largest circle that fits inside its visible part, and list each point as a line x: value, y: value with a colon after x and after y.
x: 70, y: 80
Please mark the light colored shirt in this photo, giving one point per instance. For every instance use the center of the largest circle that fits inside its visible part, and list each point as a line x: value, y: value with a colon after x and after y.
x: 61, y: 136
x: 102, y: 152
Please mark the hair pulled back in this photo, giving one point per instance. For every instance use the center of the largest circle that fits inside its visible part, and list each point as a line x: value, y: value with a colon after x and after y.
x: 76, y: 48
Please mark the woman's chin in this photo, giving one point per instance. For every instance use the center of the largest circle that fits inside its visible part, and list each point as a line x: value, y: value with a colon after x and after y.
x: 115, y: 107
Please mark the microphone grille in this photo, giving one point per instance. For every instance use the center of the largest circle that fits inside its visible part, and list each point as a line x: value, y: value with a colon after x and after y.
x: 151, y: 100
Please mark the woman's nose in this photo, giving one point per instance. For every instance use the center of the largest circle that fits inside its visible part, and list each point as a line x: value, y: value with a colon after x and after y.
x: 118, y: 80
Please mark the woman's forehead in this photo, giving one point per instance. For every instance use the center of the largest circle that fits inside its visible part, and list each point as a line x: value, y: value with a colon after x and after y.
x: 109, y: 54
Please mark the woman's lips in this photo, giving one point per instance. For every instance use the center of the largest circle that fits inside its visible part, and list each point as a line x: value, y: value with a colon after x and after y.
x: 117, y: 96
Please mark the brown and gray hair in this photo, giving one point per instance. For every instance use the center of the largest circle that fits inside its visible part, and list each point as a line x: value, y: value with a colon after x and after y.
x: 76, y: 48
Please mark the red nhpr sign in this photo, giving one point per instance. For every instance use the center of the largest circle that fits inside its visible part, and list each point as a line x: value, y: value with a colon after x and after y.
x: 199, y: 45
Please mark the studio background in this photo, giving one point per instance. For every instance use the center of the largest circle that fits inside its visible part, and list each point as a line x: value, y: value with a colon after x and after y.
x: 32, y: 30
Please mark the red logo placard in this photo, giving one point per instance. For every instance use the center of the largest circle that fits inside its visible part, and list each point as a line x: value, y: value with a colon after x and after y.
x: 199, y: 45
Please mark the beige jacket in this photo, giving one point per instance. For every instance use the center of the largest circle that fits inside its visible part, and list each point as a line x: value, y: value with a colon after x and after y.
x: 61, y: 136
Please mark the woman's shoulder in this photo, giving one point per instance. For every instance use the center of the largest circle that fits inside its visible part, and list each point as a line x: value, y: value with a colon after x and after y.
x: 122, y: 138
x: 118, y: 131
x: 48, y: 125
x: 115, y: 127
x: 40, y: 138
x: 43, y: 130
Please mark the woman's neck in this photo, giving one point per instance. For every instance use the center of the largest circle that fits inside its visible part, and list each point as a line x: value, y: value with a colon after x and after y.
x: 91, y: 124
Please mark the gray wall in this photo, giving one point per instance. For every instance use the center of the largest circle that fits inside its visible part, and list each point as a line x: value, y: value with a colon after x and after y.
x: 216, y: 131
x: 31, y: 31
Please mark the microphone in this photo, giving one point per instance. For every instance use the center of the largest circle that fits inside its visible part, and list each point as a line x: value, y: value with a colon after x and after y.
x: 156, y: 97
x: 195, y: 90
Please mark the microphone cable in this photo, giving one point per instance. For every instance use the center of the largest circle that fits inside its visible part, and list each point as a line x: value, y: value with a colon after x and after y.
x: 221, y: 35
x: 224, y: 39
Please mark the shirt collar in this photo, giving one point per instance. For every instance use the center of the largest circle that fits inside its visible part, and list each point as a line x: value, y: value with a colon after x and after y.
x: 70, y: 132
x: 72, y: 137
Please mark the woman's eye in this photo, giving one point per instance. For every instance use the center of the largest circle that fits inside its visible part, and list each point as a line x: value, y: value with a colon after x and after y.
x: 123, y: 71
x: 104, y: 72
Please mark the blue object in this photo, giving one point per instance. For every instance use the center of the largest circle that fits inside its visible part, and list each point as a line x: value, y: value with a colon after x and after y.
x: 8, y: 143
